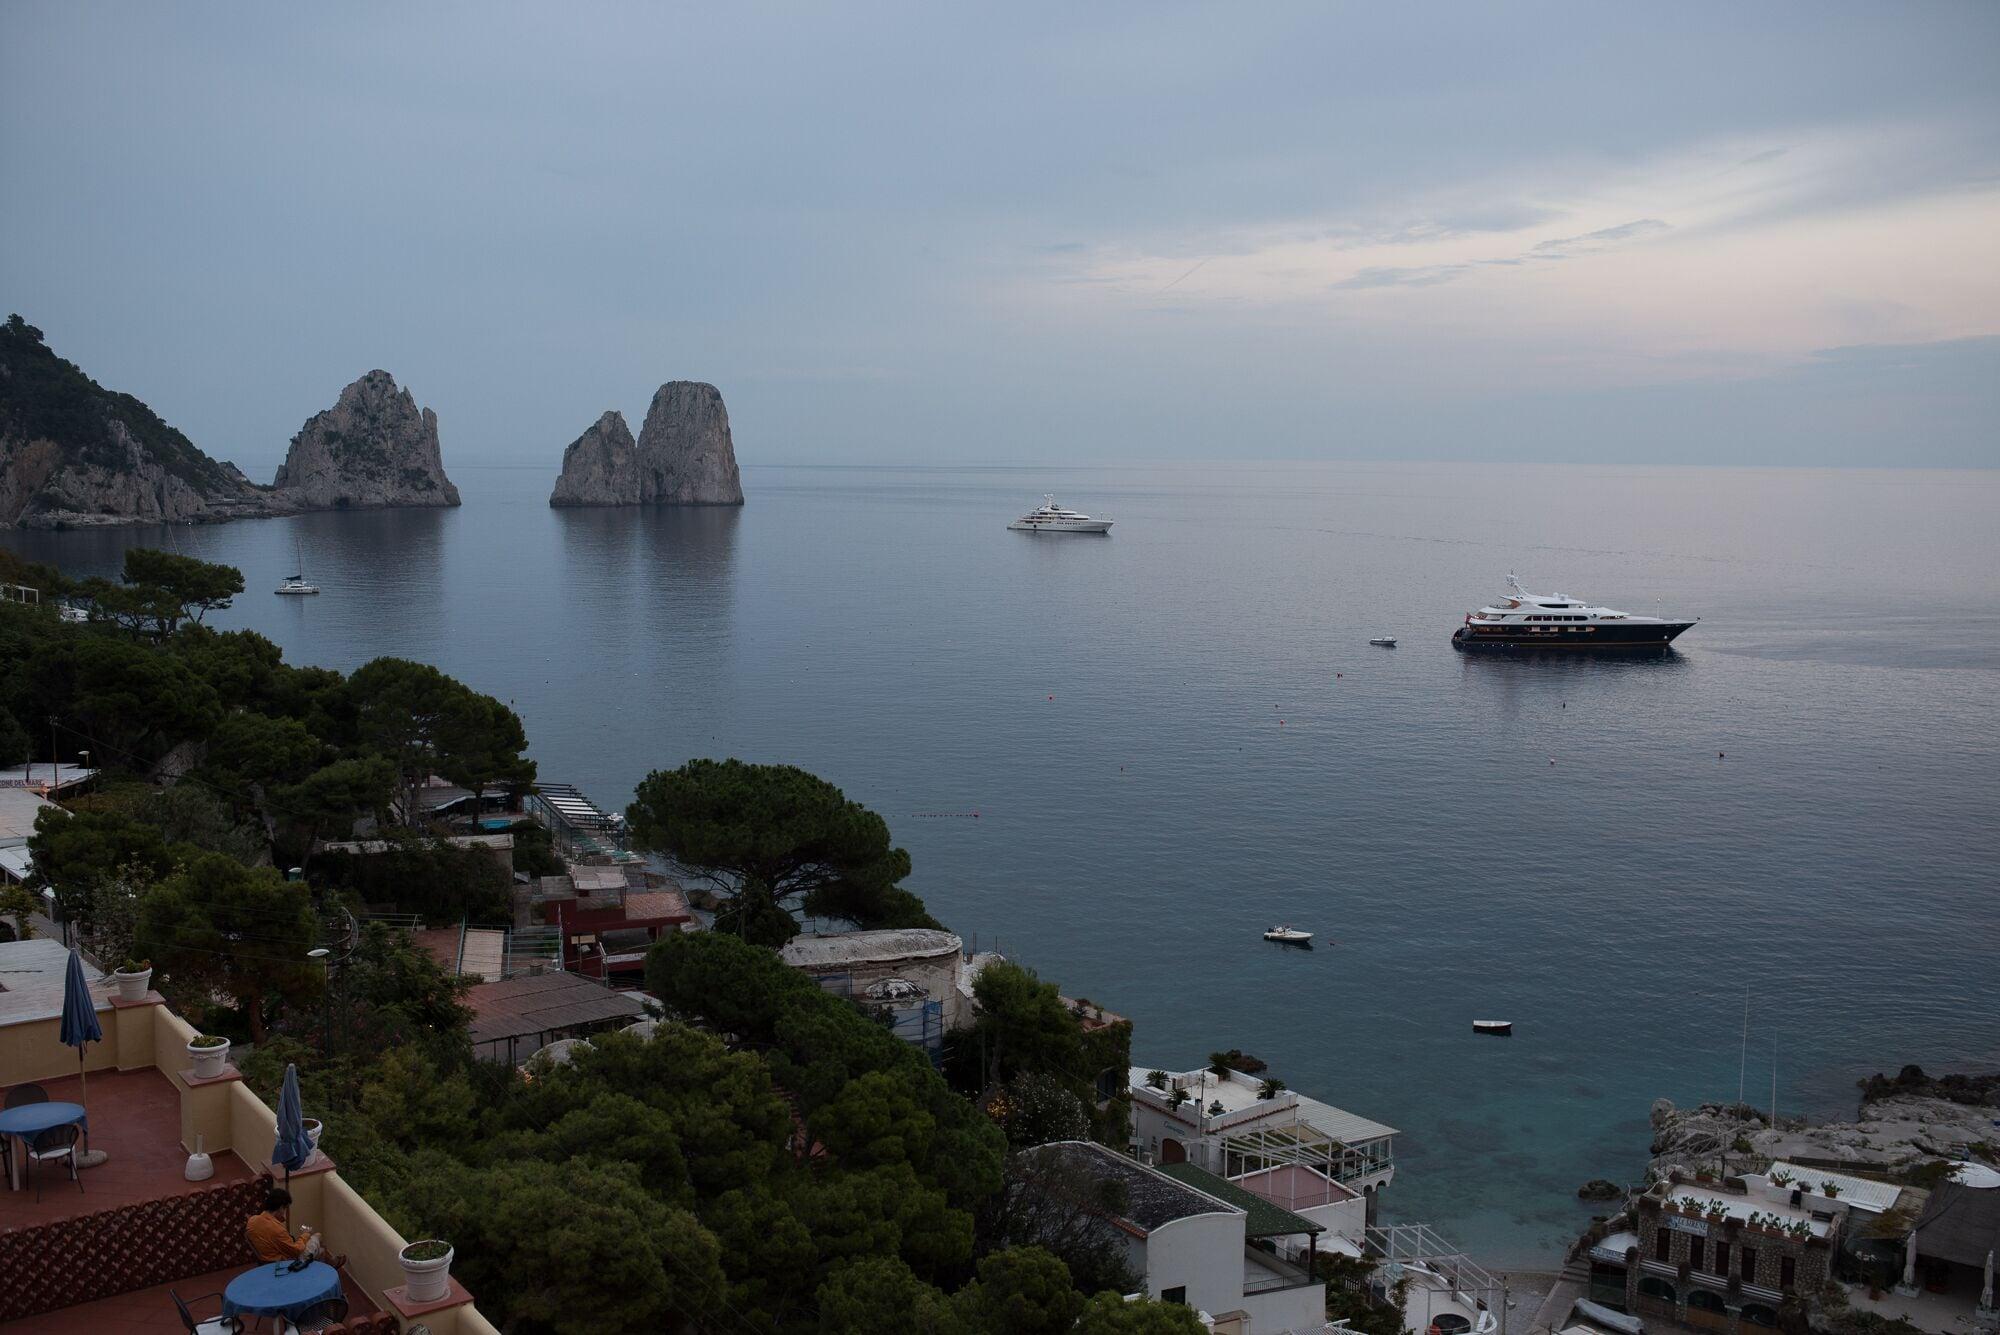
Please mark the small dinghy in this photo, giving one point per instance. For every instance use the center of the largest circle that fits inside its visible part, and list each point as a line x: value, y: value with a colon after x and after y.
x: 1289, y: 935
x: 1385, y: 641
x: 1497, y: 1028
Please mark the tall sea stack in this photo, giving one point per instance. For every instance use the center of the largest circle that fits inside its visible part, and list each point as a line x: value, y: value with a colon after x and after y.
x: 684, y: 455
x: 600, y: 467
x: 374, y: 448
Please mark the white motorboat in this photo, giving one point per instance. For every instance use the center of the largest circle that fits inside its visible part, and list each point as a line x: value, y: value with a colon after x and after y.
x: 1052, y: 518
x: 1498, y: 1028
x: 1289, y: 935
x: 296, y: 584
x: 1385, y: 641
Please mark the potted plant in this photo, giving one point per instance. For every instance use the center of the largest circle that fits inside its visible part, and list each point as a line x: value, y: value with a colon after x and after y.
x: 1176, y: 1099
x: 1215, y: 1108
x: 426, y: 1269
x: 1270, y: 1088
x: 1156, y: 1079
x: 210, y: 1053
x: 1832, y: 1189
x: 313, y: 1128
x: 133, y: 977
x: 1781, y: 1178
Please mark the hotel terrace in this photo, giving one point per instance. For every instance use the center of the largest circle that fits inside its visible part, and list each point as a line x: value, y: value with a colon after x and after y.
x: 109, y: 1251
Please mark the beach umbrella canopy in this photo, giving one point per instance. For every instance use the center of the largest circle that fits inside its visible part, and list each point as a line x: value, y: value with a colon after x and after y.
x: 293, y: 1147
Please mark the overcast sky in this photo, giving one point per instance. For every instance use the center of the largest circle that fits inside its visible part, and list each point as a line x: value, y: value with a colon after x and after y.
x: 1010, y: 233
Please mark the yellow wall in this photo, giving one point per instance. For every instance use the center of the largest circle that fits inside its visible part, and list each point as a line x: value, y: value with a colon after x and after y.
x: 33, y: 1050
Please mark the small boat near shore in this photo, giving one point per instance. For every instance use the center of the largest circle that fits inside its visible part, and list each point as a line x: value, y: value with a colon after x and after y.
x: 1384, y: 641
x: 1289, y: 935
x: 1496, y: 1028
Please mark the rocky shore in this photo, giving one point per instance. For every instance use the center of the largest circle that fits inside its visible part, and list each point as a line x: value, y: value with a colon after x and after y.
x: 1903, y: 1122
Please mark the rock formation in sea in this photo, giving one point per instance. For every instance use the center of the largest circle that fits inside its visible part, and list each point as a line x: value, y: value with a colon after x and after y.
x: 685, y: 454
x: 374, y: 448
x: 75, y: 454
x: 600, y: 467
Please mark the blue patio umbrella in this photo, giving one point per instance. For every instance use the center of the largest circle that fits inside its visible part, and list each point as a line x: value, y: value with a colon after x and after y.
x: 293, y: 1147
x: 79, y: 1020
x: 79, y: 1013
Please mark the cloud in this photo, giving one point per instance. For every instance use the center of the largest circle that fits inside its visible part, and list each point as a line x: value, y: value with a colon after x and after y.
x: 1563, y: 247
x: 1429, y: 275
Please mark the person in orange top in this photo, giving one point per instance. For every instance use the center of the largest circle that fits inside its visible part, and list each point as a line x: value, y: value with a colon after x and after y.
x: 271, y: 1238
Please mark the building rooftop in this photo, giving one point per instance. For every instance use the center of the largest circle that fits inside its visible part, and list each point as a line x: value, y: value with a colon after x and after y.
x: 883, y: 947
x: 1861, y: 1192
x: 18, y: 809
x: 1741, y: 1206
x: 31, y: 980
x: 1266, y: 1220
x: 42, y: 777
x: 1960, y: 1224
x: 1152, y: 1199
x: 1240, y: 1093
x: 540, y: 1003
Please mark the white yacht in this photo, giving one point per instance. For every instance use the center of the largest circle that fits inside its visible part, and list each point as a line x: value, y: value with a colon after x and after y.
x: 1557, y: 621
x: 1052, y: 518
x: 297, y: 583
x: 1289, y: 935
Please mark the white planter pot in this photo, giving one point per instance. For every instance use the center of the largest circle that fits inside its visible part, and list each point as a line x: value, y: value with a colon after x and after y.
x: 426, y: 1281
x: 314, y: 1129
x: 132, y: 986
x: 208, y: 1062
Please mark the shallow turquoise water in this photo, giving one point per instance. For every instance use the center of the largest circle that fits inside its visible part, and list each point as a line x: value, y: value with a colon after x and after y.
x: 1177, y: 735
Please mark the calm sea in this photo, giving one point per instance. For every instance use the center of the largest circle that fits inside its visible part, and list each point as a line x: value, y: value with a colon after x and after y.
x: 1178, y: 735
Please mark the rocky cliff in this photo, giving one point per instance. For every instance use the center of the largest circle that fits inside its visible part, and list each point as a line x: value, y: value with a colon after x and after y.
x: 600, y: 467
x: 73, y: 453
x: 685, y: 454
x: 373, y: 448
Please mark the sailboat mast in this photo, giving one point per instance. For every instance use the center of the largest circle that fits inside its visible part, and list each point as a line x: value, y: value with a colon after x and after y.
x: 1743, y: 1055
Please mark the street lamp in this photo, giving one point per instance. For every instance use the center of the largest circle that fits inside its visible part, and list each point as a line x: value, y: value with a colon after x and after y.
x: 325, y: 957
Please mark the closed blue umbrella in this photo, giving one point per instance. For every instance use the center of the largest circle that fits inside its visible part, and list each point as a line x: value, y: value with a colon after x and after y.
x: 79, y: 1013
x: 293, y: 1147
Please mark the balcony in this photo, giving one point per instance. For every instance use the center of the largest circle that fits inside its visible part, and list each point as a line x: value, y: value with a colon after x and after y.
x: 102, y: 1258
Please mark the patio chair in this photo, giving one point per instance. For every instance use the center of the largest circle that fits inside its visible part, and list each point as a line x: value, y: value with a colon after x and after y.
x: 317, y: 1318
x: 215, y: 1325
x: 24, y: 1094
x: 57, y: 1144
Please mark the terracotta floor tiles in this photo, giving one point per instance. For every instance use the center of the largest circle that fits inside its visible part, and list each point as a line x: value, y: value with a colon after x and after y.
x: 151, y: 1311
x: 135, y: 1118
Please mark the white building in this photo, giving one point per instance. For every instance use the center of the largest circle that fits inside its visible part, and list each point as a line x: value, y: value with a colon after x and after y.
x: 1193, y: 1246
x: 19, y: 805
x: 1227, y: 1125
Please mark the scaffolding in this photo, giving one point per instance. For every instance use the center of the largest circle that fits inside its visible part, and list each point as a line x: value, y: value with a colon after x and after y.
x: 577, y: 826
x: 1301, y: 1144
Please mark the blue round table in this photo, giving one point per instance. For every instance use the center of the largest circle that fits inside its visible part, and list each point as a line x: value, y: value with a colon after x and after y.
x: 272, y: 1289
x: 31, y: 1119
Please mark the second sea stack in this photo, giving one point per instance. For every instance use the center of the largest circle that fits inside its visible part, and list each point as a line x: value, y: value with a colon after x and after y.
x: 600, y: 467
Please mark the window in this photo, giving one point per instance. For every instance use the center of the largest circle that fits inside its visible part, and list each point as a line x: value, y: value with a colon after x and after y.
x: 1652, y: 1286
x: 1177, y: 1294
x: 1721, y: 1266
x: 1695, y: 1249
x: 1788, y: 1271
x: 1748, y: 1270
x: 1663, y: 1245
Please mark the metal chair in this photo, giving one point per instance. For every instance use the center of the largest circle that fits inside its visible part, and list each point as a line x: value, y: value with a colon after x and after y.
x: 322, y: 1314
x: 215, y: 1325
x: 21, y: 1095
x: 58, y: 1143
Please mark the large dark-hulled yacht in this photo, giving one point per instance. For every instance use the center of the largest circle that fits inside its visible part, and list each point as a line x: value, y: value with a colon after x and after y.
x: 1556, y: 621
